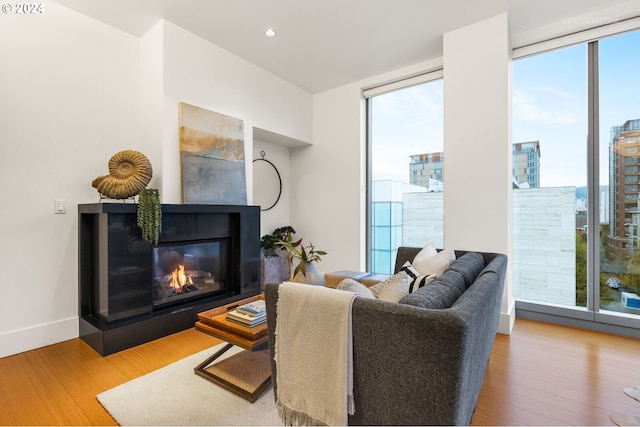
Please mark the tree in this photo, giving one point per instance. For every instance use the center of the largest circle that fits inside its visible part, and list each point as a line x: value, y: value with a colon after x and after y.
x: 581, y: 274
x: 581, y: 269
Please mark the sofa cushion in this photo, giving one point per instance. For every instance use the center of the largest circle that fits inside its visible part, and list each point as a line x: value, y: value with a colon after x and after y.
x: 420, y: 281
x: 427, y: 262
x: 426, y: 252
x: 442, y: 293
x: 415, y: 280
x: 469, y: 265
x: 333, y: 279
x: 374, y: 279
x: 393, y: 289
x: 352, y: 285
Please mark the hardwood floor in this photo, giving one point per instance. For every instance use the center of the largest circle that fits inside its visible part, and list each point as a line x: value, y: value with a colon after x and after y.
x: 542, y: 374
x: 57, y: 384
x: 546, y: 374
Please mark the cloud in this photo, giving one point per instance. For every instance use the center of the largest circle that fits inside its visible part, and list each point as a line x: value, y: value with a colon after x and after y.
x: 547, y: 106
x: 405, y: 122
x: 417, y: 103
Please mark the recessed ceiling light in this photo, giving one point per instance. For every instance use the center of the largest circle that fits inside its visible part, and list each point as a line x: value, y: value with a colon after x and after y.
x: 270, y: 32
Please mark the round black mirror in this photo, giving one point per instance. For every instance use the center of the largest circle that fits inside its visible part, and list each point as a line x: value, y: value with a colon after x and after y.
x: 267, y: 183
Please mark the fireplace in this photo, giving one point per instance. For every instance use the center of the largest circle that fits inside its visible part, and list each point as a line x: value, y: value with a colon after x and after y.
x: 132, y: 292
x: 189, y: 270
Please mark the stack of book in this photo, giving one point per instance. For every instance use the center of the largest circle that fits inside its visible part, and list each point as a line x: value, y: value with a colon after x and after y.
x: 250, y: 314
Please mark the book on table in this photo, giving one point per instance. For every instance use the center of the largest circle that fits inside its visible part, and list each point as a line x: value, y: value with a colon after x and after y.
x: 255, y: 308
x: 246, y: 319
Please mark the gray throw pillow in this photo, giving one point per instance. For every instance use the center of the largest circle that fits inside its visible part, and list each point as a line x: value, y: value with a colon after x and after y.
x: 442, y: 293
x: 469, y: 265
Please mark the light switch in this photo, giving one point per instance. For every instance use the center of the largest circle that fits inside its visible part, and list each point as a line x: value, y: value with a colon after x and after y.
x: 61, y: 206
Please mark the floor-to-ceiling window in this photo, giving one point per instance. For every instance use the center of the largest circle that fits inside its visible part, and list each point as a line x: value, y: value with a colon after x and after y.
x: 619, y: 172
x: 550, y: 176
x: 405, y: 164
x: 576, y: 127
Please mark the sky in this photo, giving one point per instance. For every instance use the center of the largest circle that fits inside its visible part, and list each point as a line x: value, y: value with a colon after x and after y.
x: 549, y: 105
x: 405, y: 122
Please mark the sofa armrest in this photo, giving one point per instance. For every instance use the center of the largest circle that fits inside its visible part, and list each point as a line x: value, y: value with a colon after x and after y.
x: 406, y: 363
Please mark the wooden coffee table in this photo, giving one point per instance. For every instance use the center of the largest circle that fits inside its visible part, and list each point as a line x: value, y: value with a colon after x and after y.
x: 246, y: 373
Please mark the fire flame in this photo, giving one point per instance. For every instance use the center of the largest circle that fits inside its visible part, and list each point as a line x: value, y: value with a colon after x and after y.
x: 179, y: 279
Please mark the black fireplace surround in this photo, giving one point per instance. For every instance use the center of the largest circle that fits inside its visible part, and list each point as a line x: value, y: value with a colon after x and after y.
x: 128, y: 292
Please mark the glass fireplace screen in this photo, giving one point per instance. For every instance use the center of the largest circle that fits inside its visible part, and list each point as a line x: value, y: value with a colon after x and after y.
x: 189, y: 270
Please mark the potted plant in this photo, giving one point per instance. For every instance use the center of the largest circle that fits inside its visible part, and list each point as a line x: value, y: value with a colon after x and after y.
x: 275, y: 264
x: 149, y: 214
x: 304, y: 271
x: 269, y: 242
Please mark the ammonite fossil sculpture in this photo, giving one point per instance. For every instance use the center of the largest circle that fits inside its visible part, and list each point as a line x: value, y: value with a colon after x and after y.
x: 129, y: 172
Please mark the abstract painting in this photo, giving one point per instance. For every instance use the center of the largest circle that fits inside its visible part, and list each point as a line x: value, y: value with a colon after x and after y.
x: 212, y: 157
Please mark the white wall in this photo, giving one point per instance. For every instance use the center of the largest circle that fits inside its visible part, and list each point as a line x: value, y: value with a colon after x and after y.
x: 277, y: 216
x: 477, y: 143
x: 202, y: 74
x: 69, y: 101
x: 151, y: 101
x: 73, y: 93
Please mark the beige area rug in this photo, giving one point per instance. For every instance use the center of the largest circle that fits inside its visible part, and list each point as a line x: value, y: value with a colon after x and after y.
x: 176, y: 396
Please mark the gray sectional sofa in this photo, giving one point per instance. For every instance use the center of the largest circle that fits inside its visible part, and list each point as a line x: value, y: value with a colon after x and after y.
x: 422, y: 361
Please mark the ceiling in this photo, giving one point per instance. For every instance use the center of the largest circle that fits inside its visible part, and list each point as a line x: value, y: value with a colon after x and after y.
x: 322, y: 44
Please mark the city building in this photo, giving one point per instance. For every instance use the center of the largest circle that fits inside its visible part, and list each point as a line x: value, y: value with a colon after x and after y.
x: 543, y: 240
x: 426, y: 169
x: 387, y: 222
x: 526, y: 164
x: 624, y: 188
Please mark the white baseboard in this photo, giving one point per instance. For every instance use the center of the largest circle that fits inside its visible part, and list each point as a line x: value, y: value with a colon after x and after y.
x: 14, y: 342
x: 505, y: 324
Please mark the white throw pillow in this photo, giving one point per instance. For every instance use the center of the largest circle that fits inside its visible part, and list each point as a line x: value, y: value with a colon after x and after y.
x: 351, y: 285
x: 415, y: 280
x: 426, y: 252
x: 420, y: 281
x: 392, y: 289
x: 435, y: 264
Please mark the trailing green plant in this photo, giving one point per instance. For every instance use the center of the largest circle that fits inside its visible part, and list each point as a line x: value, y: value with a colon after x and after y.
x: 306, y: 254
x: 269, y: 242
x: 150, y: 214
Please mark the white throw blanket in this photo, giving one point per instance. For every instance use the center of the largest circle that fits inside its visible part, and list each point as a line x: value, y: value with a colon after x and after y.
x: 313, y: 353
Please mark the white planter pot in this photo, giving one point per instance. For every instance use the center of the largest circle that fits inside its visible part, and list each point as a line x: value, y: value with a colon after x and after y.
x: 312, y: 277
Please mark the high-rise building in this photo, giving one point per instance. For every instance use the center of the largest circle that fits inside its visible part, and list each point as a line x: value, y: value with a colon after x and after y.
x: 526, y: 164
x: 426, y: 169
x: 624, y: 187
